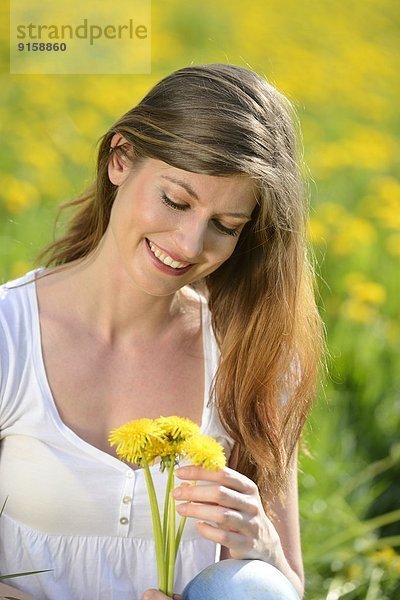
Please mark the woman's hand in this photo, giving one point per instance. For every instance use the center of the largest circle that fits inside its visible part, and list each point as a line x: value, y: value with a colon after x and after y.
x: 156, y: 595
x: 231, y: 501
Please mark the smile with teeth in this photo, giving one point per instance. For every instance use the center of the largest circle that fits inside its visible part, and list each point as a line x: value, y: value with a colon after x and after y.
x: 164, y: 258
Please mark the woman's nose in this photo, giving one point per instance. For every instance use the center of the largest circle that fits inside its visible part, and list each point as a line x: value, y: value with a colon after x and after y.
x: 190, y: 240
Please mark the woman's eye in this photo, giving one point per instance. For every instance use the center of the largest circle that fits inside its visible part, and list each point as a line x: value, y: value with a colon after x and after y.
x: 168, y: 202
x: 217, y: 224
x: 226, y: 230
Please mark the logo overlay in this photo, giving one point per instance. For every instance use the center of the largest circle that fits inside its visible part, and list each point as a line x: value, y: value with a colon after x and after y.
x: 80, y: 37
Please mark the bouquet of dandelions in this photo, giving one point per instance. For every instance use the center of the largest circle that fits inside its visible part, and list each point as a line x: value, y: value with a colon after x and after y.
x: 171, y: 439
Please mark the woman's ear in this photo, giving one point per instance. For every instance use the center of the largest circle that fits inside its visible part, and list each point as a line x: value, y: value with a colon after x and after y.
x: 120, y: 162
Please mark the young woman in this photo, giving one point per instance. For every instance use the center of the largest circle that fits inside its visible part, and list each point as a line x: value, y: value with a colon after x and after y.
x: 181, y: 287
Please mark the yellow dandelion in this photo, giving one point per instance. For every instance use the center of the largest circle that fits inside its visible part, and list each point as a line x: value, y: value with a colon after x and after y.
x: 357, y: 311
x: 204, y: 451
x: 317, y: 231
x: 331, y: 213
x: 19, y: 195
x: 164, y: 449
x: 177, y: 429
x: 134, y: 439
x: 354, y: 571
x: 393, y: 244
x: 385, y: 556
x: 369, y: 292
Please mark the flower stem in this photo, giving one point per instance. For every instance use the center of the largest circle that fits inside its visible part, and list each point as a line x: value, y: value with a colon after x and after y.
x: 180, y: 531
x: 171, y: 533
x: 155, y: 515
x: 166, y: 503
x: 179, y: 535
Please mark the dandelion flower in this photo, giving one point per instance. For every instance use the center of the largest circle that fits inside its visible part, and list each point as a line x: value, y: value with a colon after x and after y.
x: 177, y: 428
x: 175, y: 432
x: 134, y: 439
x: 204, y: 451
x: 172, y: 439
x: 165, y: 450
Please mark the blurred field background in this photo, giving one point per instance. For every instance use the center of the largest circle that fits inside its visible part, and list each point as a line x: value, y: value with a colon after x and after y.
x: 339, y: 63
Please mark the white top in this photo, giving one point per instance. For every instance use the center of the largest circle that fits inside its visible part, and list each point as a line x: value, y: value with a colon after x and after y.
x: 71, y: 507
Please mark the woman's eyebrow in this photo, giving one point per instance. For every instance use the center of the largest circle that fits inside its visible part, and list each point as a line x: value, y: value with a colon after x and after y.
x: 183, y: 184
x: 238, y: 215
x: 186, y: 186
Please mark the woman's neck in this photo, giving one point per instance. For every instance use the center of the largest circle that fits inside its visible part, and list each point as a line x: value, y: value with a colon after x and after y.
x: 107, y: 301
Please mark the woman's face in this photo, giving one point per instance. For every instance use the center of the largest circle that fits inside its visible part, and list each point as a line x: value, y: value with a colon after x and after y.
x: 171, y: 227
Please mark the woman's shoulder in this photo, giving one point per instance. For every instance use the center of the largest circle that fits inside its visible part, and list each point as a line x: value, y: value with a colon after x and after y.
x: 15, y: 293
x: 17, y: 315
x: 192, y: 304
x: 17, y: 298
x: 194, y: 295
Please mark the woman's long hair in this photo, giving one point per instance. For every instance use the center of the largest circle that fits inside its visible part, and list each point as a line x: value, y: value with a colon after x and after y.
x: 225, y: 120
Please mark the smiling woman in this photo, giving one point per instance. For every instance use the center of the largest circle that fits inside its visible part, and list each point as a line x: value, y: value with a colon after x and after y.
x: 180, y: 287
x: 187, y: 230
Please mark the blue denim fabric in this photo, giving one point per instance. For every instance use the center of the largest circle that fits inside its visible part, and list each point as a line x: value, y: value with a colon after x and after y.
x: 240, y: 580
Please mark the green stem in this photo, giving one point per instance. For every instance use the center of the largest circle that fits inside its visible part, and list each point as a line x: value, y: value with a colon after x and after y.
x: 3, y: 507
x: 155, y: 515
x: 367, y: 474
x: 359, y: 529
x: 180, y: 530
x: 171, y: 538
x: 393, y: 540
x: 166, y: 502
x: 12, y: 575
x: 179, y: 535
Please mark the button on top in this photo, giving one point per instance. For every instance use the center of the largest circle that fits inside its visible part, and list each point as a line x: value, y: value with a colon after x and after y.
x: 129, y: 474
x: 126, y: 499
x: 124, y: 521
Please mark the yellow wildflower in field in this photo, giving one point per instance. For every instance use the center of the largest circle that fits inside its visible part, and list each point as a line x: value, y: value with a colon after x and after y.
x: 331, y: 213
x: 354, y: 571
x: 204, y: 451
x: 364, y: 297
x: 383, y: 201
x: 387, y: 558
x: 369, y: 291
x: 357, y: 311
x: 364, y: 148
x: 370, y: 148
x: 393, y: 244
x: 317, y: 231
x: 41, y: 156
x: 352, y: 233
x: 18, y: 195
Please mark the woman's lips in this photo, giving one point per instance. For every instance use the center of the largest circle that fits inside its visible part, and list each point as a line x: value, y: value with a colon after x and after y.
x: 165, y: 262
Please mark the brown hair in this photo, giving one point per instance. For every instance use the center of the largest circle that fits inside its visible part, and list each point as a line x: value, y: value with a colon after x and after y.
x: 222, y: 119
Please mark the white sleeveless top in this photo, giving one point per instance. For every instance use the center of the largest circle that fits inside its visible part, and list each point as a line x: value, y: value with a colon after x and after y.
x: 71, y: 507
